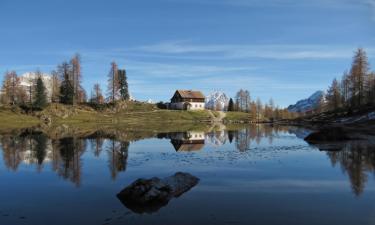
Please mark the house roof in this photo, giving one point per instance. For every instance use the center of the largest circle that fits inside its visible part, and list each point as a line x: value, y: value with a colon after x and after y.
x: 190, y: 94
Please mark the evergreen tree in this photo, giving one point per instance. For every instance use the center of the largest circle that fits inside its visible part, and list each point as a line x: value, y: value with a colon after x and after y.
x: 66, y: 87
x: 231, y: 105
x: 40, y: 101
x: 123, y: 83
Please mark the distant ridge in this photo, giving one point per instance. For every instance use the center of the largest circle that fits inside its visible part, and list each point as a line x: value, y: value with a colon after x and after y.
x: 308, y: 104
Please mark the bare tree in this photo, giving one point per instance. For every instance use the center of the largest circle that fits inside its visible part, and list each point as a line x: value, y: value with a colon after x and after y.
x: 113, y: 83
x: 13, y: 93
x: 55, y: 92
x: 76, y: 78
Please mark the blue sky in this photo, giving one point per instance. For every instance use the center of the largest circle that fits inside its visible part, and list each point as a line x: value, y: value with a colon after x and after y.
x: 285, y: 49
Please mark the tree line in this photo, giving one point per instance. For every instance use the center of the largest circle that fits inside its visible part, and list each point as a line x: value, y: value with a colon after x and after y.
x: 257, y: 110
x: 355, y: 90
x: 64, y: 86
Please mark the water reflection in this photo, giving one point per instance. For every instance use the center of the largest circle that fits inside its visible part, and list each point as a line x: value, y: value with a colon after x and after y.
x: 187, y: 141
x: 357, y: 160
x: 117, y: 157
x: 65, y: 154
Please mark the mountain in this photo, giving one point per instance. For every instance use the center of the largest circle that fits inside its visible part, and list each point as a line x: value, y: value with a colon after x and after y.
x: 308, y: 104
x: 217, y: 101
x: 28, y: 79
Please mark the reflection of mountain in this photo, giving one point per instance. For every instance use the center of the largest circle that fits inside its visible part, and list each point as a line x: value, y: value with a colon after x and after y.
x: 217, y: 138
x: 188, y: 141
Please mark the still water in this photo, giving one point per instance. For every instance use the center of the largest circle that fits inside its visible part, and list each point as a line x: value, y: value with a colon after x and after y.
x: 250, y: 175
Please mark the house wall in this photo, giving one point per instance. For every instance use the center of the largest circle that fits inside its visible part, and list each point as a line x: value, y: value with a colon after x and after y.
x: 194, y: 105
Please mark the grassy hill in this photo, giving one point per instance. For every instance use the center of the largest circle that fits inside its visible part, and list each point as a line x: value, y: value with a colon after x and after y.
x: 130, y: 114
x: 13, y: 118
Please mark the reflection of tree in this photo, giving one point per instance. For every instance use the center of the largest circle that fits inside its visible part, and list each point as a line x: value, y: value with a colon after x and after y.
x: 356, y: 159
x: 29, y: 148
x: 231, y: 136
x: 244, y: 137
x: 68, y: 164
x: 13, y: 147
x: 97, y: 145
x: 38, y: 148
x: 243, y: 140
x: 117, y: 157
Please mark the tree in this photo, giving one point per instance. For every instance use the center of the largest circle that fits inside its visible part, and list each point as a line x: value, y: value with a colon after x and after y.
x: 55, y: 92
x: 76, y: 78
x: 345, y: 90
x: 231, y: 105
x: 358, y: 73
x: 259, y: 109
x: 12, y: 90
x: 334, y: 96
x: 66, y: 88
x: 243, y: 101
x: 370, y: 89
x: 123, y: 85
x: 40, y: 101
x: 98, y: 96
x: 113, y: 83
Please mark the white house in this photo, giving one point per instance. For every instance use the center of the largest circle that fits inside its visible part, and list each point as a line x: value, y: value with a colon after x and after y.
x: 188, y: 100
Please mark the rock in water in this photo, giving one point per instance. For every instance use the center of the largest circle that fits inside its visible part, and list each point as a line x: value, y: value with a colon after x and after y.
x: 149, y: 195
x: 328, y: 134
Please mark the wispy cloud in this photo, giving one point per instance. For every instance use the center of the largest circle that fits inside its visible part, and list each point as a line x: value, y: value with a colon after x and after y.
x: 371, y: 4
x: 253, y: 51
x: 280, y: 3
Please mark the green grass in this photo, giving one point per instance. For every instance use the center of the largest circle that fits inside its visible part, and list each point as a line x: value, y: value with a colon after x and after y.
x: 237, y: 117
x: 10, y: 119
x: 125, y: 114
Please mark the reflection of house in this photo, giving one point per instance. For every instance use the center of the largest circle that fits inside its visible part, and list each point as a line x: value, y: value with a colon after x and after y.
x: 188, y: 100
x: 188, y: 141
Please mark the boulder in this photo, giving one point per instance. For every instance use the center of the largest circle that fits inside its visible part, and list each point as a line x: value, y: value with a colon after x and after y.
x: 149, y: 195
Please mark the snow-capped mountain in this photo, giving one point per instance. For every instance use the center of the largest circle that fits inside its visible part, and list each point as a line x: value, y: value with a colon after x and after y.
x: 308, y: 104
x: 28, y: 79
x: 217, y: 101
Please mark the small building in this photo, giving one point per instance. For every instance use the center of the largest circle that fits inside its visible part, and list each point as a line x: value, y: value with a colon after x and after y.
x: 187, y: 100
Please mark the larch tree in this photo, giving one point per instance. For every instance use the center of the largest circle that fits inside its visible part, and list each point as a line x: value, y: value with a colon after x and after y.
x: 97, y: 96
x: 55, y: 85
x: 345, y: 90
x: 259, y: 108
x: 358, y: 73
x: 113, y: 83
x: 76, y: 78
x: 13, y: 93
x: 333, y: 96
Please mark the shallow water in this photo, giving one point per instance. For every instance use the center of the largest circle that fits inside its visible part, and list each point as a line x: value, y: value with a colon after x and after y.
x: 253, y: 175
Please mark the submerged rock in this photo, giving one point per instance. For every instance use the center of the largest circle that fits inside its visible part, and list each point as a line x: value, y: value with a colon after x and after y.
x: 149, y: 195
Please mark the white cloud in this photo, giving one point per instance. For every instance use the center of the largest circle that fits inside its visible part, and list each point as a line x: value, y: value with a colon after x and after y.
x: 253, y: 51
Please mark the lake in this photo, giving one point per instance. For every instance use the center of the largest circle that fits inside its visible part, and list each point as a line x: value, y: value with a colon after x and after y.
x: 248, y: 175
